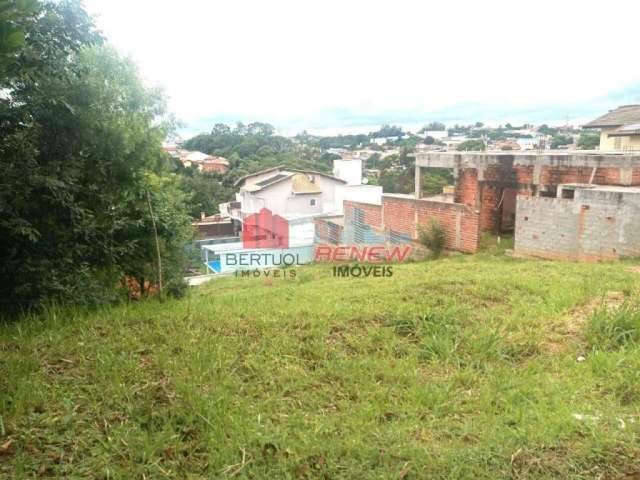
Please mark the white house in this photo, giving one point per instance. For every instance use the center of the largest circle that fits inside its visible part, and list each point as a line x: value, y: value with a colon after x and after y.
x: 436, y: 134
x: 293, y: 193
x: 299, y: 196
x: 287, y: 192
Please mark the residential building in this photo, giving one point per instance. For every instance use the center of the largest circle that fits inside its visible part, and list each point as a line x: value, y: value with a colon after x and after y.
x: 490, y: 186
x: 288, y: 192
x: 214, y: 226
x: 619, y: 128
x: 214, y: 164
x: 202, y: 161
x: 436, y: 134
x: 295, y: 198
x: 572, y: 205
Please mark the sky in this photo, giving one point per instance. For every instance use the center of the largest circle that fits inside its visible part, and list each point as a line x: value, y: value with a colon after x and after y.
x: 348, y: 66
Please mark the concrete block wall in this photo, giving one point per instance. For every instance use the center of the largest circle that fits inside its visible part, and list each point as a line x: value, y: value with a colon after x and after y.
x: 595, y: 225
x: 482, y: 190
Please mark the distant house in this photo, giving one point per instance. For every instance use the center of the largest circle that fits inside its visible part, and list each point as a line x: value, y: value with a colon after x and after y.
x: 191, y: 158
x: 508, y: 144
x: 204, y: 162
x: 619, y: 128
x: 214, y: 226
x: 288, y: 192
x: 172, y: 149
x: 214, y: 164
x: 296, y: 194
x: 436, y: 134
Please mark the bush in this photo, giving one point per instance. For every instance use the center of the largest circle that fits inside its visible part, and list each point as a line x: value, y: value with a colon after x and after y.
x: 433, y: 237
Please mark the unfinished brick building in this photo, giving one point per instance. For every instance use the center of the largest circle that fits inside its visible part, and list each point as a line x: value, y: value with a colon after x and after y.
x: 491, y: 194
x: 489, y: 183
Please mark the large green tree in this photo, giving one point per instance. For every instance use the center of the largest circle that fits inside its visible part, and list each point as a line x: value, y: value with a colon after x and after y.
x: 79, y: 134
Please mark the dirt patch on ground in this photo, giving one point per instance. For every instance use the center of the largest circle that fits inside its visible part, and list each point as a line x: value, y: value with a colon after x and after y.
x: 573, y: 324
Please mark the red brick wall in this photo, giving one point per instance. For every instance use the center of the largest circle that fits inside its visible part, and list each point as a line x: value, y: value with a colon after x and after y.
x: 321, y: 229
x: 327, y: 233
x: 399, y: 215
x: 486, y: 193
x: 372, y: 213
x: 524, y: 175
x: 460, y: 222
x: 402, y: 215
x: 488, y: 204
x: 466, y: 190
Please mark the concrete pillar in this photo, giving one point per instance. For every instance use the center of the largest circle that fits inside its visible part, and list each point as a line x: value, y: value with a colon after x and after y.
x: 418, y: 191
x: 537, y: 172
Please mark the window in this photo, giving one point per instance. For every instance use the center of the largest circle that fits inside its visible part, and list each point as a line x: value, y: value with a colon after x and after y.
x: 312, y: 202
x: 551, y: 191
x: 568, y: 193
x: 617, y: 143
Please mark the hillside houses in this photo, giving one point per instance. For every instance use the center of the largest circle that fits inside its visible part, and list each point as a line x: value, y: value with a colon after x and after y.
x: 202, y: 161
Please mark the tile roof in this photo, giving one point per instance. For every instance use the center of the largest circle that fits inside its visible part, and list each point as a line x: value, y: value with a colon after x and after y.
x: 270, y: 180
x: 623, y: 115
x: 626, y: 130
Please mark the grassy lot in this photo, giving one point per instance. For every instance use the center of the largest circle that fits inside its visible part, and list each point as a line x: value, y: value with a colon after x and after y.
x: 465, y: 367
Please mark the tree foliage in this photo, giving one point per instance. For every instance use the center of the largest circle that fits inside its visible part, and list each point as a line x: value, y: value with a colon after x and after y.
x: 589, y: 140
x: 387, y: 131
x: 433, y: 127
x: 471, y: 146
x: 79, y: 134
x: 249, y: 148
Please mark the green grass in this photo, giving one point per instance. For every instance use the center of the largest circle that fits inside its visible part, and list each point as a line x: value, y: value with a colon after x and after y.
x: 464, y: 367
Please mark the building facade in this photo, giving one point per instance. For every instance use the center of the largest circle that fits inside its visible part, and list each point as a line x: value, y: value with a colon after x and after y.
x: 619, y: 128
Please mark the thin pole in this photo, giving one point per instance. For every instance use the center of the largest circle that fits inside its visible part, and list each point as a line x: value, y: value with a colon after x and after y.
x: 155, y: 232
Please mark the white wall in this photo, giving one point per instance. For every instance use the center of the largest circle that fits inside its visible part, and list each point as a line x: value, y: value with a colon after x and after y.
x: 348, y: 170
x: 358, y: 193
x: 279, y: 198
x: 436, y: 134
x: 301, y: 232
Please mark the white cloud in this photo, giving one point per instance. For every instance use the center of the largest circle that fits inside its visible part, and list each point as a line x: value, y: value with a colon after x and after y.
x: 294, y: 62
